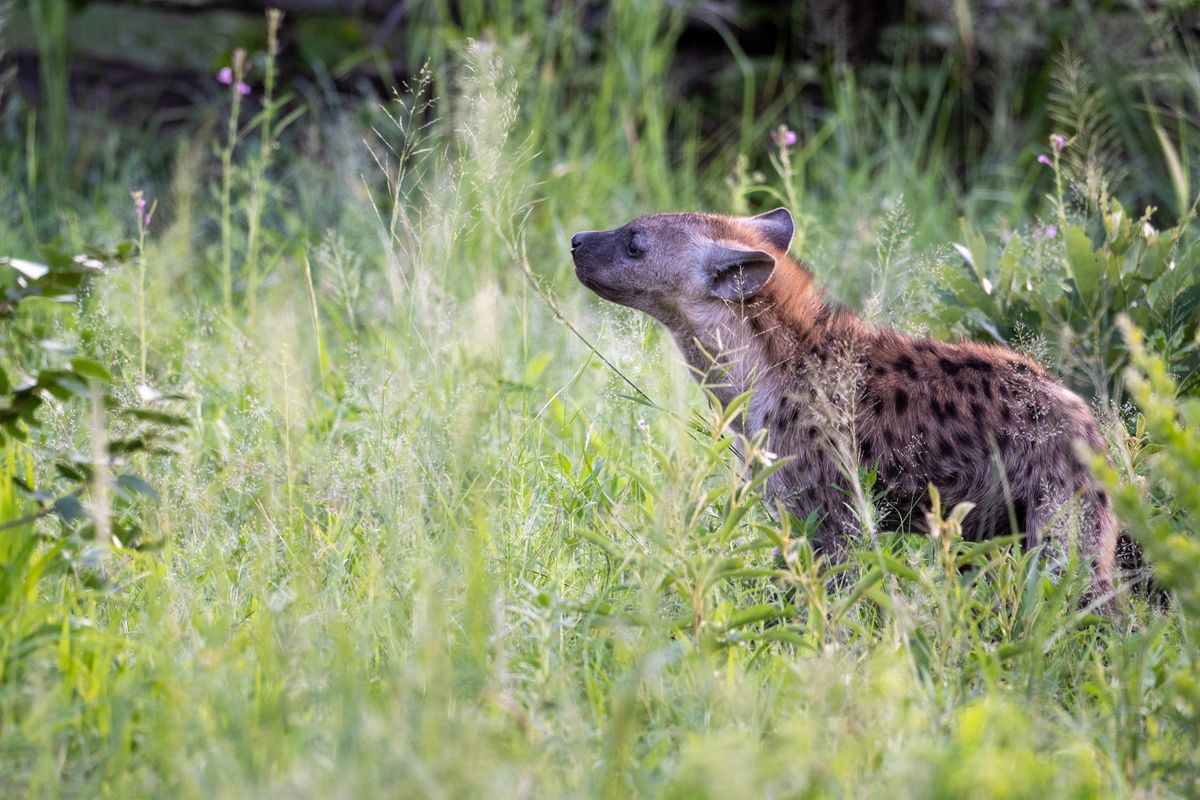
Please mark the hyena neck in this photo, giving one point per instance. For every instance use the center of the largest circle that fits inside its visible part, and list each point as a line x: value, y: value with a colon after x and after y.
x: 735, y: 347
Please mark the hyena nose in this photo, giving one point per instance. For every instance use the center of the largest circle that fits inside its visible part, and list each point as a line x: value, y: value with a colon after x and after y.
x: 576, y: 241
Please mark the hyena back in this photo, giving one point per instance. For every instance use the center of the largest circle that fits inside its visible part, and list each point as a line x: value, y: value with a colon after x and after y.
x: 982, y: 423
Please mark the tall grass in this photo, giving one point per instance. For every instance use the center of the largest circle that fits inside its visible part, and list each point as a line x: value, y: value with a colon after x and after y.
x: 443, y: 526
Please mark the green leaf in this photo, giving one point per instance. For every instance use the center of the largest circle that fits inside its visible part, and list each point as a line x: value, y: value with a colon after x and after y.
x: 921, y: 650
x: 1010, y: 259
x: 603, y: 542
x: 1084, y: 263
x: 974, y: 252
x: 69, y: 508
x: 90, y: 369
x: 135, y: 483
x: 124, y: 251
x: 891, y: 564
x: 161, y: 417
x: 69, y: 472
x: 640, y: 400
x: 873, y: 576
x: 759, y: 613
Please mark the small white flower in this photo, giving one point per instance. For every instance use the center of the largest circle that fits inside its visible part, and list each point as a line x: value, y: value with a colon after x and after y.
x: 641, y: 423
x: 1149, y: 232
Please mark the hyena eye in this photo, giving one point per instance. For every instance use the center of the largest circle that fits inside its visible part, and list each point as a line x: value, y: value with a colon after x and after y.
x: 633, y: 249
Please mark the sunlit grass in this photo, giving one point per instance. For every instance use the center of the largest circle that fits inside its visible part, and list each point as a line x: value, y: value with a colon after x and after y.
x: 444, y: 526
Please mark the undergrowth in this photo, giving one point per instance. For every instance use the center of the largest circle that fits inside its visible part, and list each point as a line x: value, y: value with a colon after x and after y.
x: 439, y: 525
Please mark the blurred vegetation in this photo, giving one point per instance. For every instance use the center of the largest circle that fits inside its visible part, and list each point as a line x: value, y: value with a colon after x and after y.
x: 405, y: 511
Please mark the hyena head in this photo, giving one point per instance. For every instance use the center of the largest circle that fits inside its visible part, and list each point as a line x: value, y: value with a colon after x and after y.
x: 673, y: 265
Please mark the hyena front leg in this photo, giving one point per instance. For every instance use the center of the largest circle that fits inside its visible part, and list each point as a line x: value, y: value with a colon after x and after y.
x: 812, y: 485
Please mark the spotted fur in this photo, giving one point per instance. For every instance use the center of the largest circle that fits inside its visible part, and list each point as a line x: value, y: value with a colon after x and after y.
x: 982, y: 423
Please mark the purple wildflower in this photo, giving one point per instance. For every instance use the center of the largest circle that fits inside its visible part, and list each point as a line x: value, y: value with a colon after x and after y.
x: 1045, y: 231
x: 1059, y: 141
x: 139, y: 203
x: 225, y: 76
x: 243, y: 87
x: 784, y: 136
x: 1045, y: 159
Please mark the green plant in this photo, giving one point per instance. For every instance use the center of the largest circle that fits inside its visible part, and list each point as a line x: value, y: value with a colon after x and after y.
x: 1069, y: 280
x: 1162, y: 511
x: 91, y: 487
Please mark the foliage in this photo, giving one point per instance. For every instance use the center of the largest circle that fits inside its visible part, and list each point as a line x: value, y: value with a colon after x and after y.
x: 92, y: 490
x: 1101, y: 266
x: 442, y: 526
x: 1162, y: 509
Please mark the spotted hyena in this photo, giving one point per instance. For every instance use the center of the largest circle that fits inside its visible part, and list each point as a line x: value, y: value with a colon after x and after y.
x: 980, y: 422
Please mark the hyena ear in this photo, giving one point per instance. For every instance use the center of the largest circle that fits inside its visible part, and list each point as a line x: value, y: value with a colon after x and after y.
x: 774, y: 226
x: 736, y: 273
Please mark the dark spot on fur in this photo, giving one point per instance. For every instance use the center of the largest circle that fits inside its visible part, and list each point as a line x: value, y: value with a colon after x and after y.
x: 976, y: 410
x: 965, y: 438
x: 945, y: 410
x: 864, y: 449
x: 795, y: 412
x: 949, y: 367
x: 889, y: 438
x: 782, y: 402
x: 924, y: 345
x: 901, y: 399
x: 1020, y: 367
x: 985, y: 386
x: 905, y: 364
x: 1005, y: 413
x: 977, y: 363
x: 878, y: 370
x: 812, y: 432
x: 1099, y: 498
x: 1032, y: 411
x: 945, y: 448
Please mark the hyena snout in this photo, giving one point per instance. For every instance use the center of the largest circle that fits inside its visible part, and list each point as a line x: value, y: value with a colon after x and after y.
x: 588, y: 240
x: 597, y: 264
